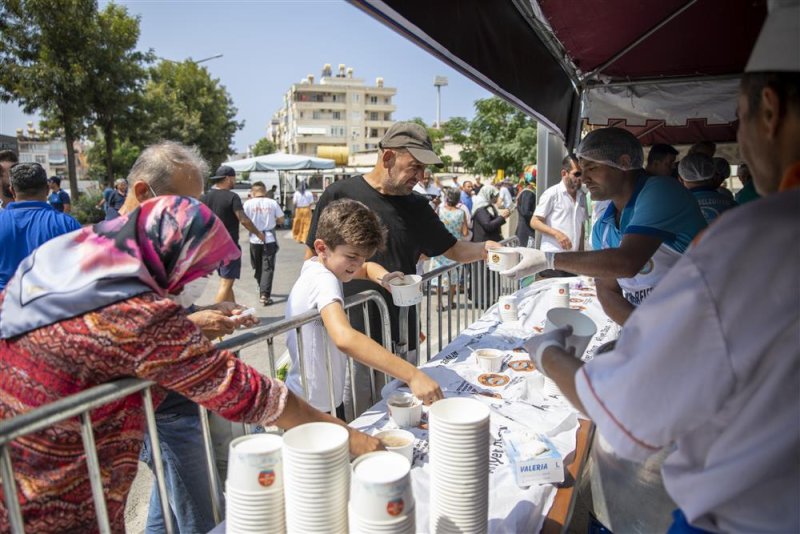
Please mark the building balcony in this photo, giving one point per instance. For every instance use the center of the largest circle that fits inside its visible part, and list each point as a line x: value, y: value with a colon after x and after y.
x: 314, y: 105
x: 320, y: 139
x: 380, y: 107
x: 378, y: 123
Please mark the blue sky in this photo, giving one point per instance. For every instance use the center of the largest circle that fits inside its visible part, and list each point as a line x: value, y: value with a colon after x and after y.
x: 268, y: 45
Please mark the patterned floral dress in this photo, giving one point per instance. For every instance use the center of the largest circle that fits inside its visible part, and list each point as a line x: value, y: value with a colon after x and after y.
x: 453, y: 220
x: 145, y: 336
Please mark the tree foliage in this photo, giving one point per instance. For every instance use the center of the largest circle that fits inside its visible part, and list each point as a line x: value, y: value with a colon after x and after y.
x: 183, y: 103
x: 43, y: 53
x: 499, y: 137
x: 123, y: 156
x: 120, y: 73
x: 263, y: 147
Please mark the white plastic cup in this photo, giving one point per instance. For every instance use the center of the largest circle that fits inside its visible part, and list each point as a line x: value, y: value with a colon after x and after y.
x: 534, y: 388
x: 405, y: 410
x: 583, y: 328
x: 406, y: 291
x: 489, y: 360
x: 380, y: 488
x: 559, y: 295
x: 255, y: 463
x: 398, y: 441
x: 501, y: 259
x: 507, y: 307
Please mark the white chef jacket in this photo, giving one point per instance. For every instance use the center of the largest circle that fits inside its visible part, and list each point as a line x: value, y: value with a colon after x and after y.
x: 562, y: 213
x: 710, y: 364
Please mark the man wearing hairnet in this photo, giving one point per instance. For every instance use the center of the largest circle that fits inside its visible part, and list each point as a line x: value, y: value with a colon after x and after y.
x: 699, y: 175
x: 709, y: 365
x: 649, y: 223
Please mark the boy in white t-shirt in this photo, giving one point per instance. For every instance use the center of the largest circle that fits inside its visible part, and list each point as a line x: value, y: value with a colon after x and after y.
x: 265, y: 214
x: 348, y: 233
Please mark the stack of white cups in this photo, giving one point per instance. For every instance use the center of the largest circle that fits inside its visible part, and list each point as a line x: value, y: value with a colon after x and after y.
x: 317, y: 466
x: 459, y: 453
x: 381, y: 499
x: 254, y: 487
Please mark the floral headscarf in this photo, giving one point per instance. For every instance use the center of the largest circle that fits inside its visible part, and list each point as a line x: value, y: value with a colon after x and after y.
x: 485, y: 197
x: 161, y: 246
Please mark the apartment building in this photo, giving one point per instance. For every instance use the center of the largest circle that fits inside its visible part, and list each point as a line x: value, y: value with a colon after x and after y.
x: 50, y: 151
x: 335, y: 117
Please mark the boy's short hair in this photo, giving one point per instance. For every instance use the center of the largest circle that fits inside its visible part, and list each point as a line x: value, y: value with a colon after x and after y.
x: 258, y: 185
x: 349, y: 222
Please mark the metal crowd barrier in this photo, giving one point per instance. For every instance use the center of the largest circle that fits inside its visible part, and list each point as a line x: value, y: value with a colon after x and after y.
x: 81, y: 404
x: 476, y: 289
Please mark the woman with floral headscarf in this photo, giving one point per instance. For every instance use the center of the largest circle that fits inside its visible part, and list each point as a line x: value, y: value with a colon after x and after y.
x: 96, y: 305
x: 487, y: 216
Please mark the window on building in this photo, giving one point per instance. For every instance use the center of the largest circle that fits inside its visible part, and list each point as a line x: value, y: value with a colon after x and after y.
x: 373, y: 132
x: 373, y: 100
x: 301, y: 114
x: 373, y: 115
x: 356, y: 148
x: 25, y: 157
x: 387, y: 116
x: 356, y: 97
x: 337, y: 115
x: 316, y: 115
x: 387, y: 100
x: 41, y: 159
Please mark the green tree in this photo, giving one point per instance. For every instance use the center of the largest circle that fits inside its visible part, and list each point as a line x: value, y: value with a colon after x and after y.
x: 263, y: 147
x: 43, y: 52
x: 120, y: 74
x: 499, y: 137
x: 122, y: 158
x: 183, y: 103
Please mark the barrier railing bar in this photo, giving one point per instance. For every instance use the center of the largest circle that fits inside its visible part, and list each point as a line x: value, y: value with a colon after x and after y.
x: 298, y: 332
x: 158, y: 466
x: 95, y: 479
x: 10, y: 491
x: 211, y: 465
x: 326, y: 349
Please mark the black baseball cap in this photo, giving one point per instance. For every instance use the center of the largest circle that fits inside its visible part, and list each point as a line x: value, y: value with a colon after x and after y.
x: 412, y: 137
x: 223, y: 172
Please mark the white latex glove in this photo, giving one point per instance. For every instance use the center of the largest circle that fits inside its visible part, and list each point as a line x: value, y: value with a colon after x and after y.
x: 536, y: 345
x: 531, y: 262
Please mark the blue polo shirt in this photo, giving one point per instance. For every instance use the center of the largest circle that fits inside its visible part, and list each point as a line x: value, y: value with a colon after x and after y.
x: 659, y: 206
x: 24, y: 226
x: 712, y: 203
x: 58, y: 199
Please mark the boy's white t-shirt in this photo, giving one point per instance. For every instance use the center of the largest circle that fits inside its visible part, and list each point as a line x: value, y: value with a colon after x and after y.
x: 315, y: 288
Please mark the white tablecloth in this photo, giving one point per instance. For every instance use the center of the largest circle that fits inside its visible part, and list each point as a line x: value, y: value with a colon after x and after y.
x: 511, y: 509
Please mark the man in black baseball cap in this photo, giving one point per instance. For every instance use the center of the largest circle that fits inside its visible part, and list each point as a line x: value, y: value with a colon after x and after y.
x: 227, y: 205
x: 414, y: 228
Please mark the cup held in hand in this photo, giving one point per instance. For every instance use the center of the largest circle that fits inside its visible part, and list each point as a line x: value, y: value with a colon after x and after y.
x: 583, y: 328
x: 398, y: 441
x: 501, y: 259
x: 406, y: 291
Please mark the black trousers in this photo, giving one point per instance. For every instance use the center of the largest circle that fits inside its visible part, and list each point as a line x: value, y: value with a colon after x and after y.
x: 262, y: 259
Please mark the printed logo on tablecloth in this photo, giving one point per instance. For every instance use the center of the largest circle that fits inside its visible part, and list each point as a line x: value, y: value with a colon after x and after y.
x: 521, y: 366
x: 266, y: 478
x: 493, y: 380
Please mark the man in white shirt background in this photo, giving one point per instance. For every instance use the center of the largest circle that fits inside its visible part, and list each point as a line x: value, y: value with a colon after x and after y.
x: 266, y: 214
x: 561, y: 214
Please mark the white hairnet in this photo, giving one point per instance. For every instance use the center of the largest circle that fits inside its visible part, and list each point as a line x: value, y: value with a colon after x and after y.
x: 723, y: 167
x: 696, y: 167
x: 608, y: 145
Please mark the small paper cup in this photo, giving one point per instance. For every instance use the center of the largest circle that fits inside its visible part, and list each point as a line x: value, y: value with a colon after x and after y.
x: 489, y: 360
x: 583, y: 328
x: 559, y: 295
x: 398, y: 441
x: 507, y: 307
x: 501, y: 259
x: 405, y: 410
x: 380, y: 486
x: 406, y: 291
x: 255, y: 463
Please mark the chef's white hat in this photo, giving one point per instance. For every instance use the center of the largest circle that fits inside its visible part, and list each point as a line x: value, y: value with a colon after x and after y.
x: 777, y: 48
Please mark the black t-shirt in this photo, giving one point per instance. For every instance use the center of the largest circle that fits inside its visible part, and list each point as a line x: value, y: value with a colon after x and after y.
x: 413, y: 229
x: 225, y: 204
x: 526, y: 204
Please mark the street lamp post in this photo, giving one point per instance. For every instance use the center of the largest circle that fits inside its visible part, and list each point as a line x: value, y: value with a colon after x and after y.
x: 439, y: 82
x: 190, y: 60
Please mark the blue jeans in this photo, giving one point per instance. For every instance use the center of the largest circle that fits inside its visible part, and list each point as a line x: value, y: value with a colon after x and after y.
x: 185, y: 475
